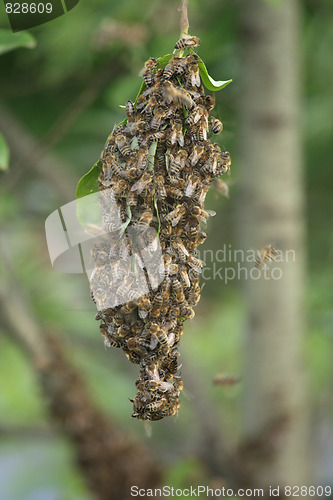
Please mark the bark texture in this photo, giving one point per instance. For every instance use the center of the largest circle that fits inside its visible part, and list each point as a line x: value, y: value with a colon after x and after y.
x: 274, y: 447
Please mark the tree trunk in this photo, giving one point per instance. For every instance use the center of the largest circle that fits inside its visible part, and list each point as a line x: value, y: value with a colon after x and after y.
x: 274, y: 450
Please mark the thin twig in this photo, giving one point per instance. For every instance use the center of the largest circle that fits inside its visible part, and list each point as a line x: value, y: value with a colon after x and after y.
x: 184, y: 24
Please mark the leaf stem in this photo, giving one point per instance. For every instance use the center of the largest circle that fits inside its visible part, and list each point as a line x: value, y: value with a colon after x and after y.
x: 184, y: 24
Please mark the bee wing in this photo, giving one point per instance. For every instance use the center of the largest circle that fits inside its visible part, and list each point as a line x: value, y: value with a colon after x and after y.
x: 190, y: 188
x: 138, y: 186
x: 153, y: 344
x: 94, y: 229
x: 142, y: 313
x: 176, y: 220
x: 183, y: 249
x: 185, y: 278
x: 194, y: 158
x: 211, y: 212
x: 181, y: 139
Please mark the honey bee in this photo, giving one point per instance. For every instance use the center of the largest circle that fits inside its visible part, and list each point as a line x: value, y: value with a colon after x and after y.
x: 167, y: 258
x: 142, y: 158
x: 122, y: 145
x: 132, y: 199
x: 194, y: 297
x: 152, y: 103
x: 138, y: 327
x: 266, y: 254
x: 188, y: 41
x: 123, y: 331
x: 177, y: 162
x: 158, y: 118
x: 144, y: 303
x: 159, y: 385
x: 170, y: 364
x: 175, y: 215
x: 193, y: 232
x: 173, y: 269
x: 111, y: 166
x: 182, y: 250
x: 193, y: 76
x: 141, y: 386
x: 130, y: 111
x: 196, y: 154
x: 133, y: 173
x: 198, y: 113
x: 201, y: 214
x: 119, y: 187
x: 178, y: 384
x: 221, y: 187
x: 171, y: 68
x: 156, y: 405
x: 226, y: 162
x: 160, y: 153
x: 176, y: 133
x: 195, y: 263
x: 142, y: 183
x: 209, y: 102
x: 108, y: 340
x: 187, y: 312
x: 201, y: 238
x: 138, y: 346
x: 174, y: 192
x: 141, y: 102
x: 161, y: 192
x: 118, y: 319
x: 135, y: 128
x: 111, y: 343
x: 216, y: 125
x: 128, y: 308
x: 202, y: 130
x: 177, y: 94
x: 147, y: 71
x: 191, y: 185
x: 184, y: 276
x: 154, y: 328
x: 226, y: 380
x: 178, y: 290
x: 145, y: 220
x: 157, y: 306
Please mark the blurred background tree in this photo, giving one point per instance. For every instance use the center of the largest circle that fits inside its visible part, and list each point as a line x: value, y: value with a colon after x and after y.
x: 59, y: 102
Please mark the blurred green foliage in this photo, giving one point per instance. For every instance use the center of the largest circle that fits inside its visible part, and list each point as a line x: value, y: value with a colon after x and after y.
x: 39, y: 86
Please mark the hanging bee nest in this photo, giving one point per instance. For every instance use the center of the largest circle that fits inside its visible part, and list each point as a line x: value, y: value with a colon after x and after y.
x: 155, y: 172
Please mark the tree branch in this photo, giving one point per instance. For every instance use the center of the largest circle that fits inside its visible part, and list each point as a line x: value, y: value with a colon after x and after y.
x: 110, y: 461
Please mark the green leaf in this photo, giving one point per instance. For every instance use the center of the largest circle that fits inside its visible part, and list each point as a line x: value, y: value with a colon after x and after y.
x: 4, y: 153
x: 163, y: 61
x: 88, y: 183
x: 158, y: 216
x: 10, y: 41
x: 151, y: 155
x: 143, y: 86
x: 208, y: 81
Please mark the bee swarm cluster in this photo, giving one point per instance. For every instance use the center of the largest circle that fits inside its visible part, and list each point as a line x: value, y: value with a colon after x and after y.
x: 165, y: 192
